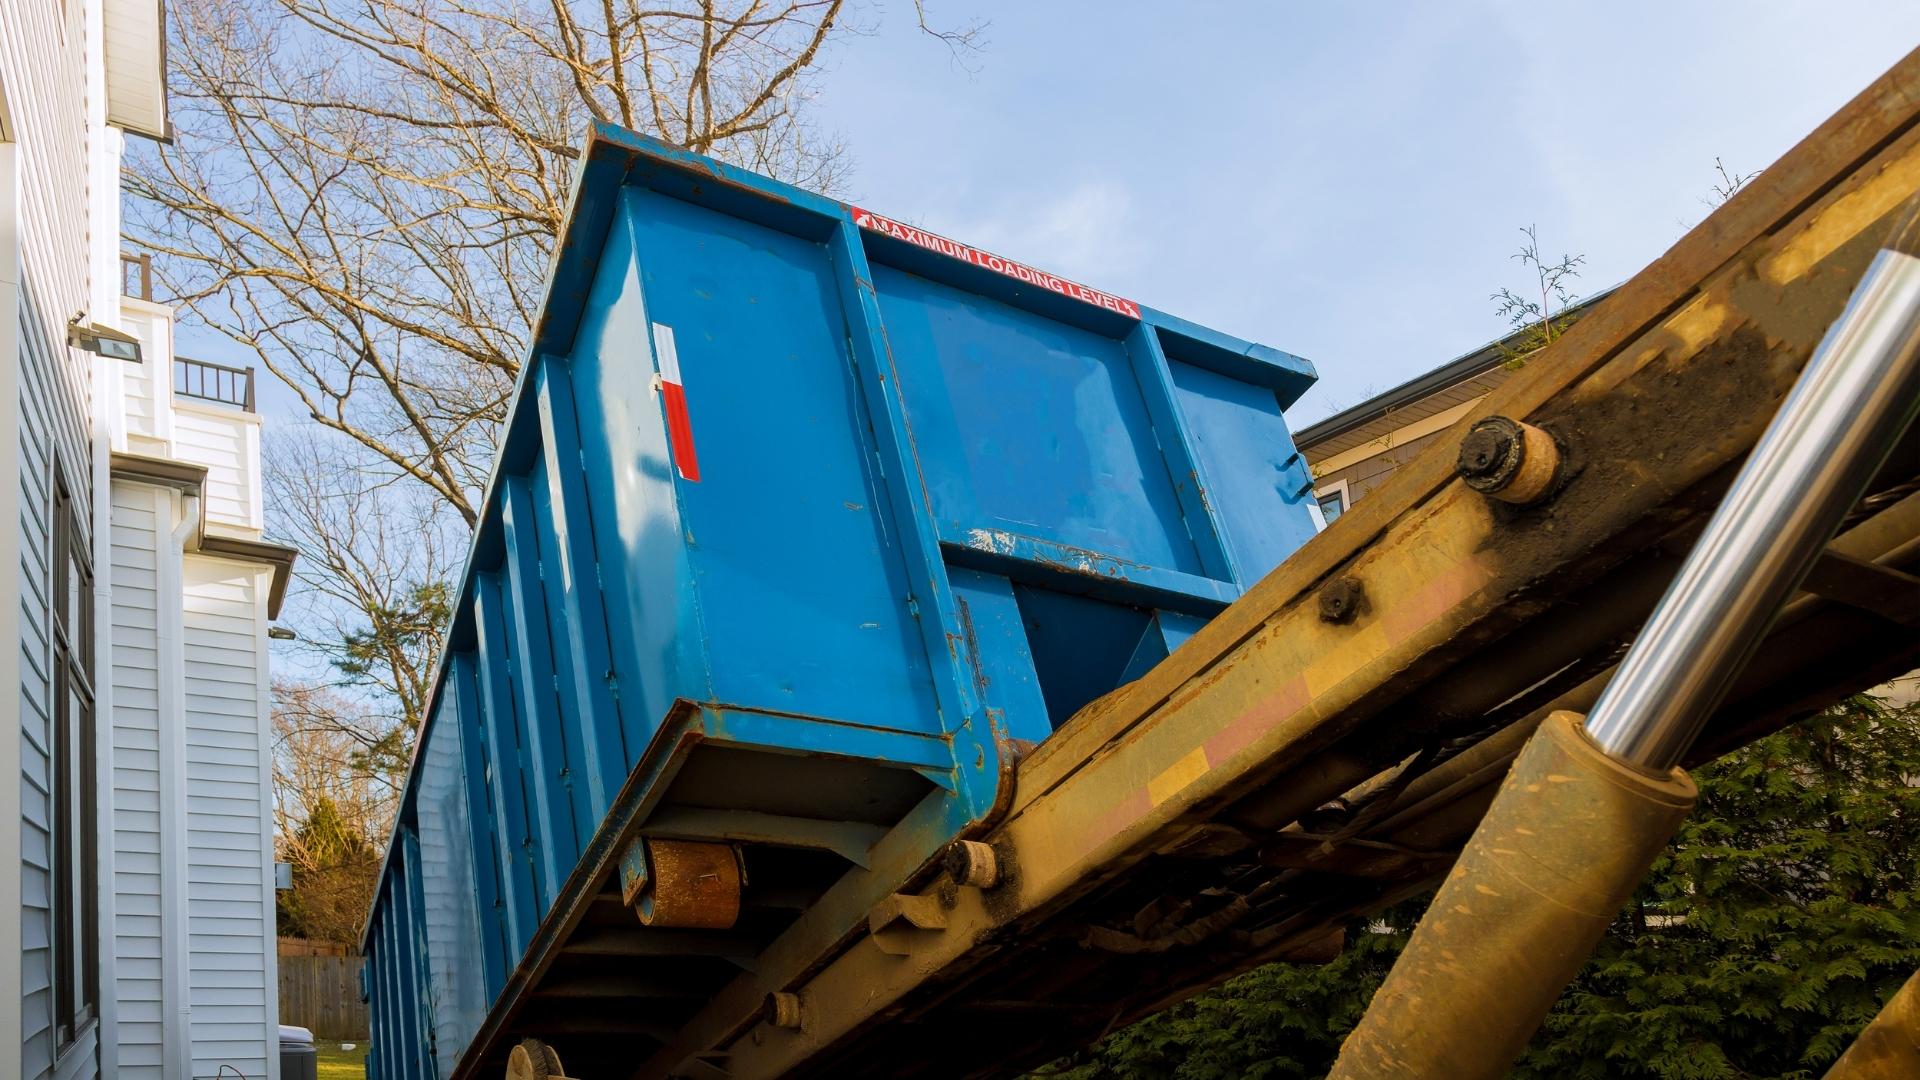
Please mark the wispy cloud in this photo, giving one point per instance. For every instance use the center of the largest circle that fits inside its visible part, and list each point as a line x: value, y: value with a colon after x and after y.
x: 1088, y: 231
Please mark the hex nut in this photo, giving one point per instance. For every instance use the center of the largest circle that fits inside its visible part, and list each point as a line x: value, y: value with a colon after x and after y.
x: 1509, y: 460
x: 1341, y: 600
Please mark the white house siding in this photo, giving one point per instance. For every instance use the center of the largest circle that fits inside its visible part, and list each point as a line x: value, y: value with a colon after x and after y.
x: 144, y: 388
x: 232, y: 969
x: 43, y: 79
x: 134, y: 43
x: 227, y: 442
x: 186, y: 967
x: 138, y: 528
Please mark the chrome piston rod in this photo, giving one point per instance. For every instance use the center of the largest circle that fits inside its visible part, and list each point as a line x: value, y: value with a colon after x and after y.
x: 1859, y: 393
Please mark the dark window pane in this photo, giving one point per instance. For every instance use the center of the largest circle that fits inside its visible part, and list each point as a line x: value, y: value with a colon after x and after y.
x: 75, y: 822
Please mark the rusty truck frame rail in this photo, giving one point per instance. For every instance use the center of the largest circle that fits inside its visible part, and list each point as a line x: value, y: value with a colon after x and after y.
x: 1320, y: 749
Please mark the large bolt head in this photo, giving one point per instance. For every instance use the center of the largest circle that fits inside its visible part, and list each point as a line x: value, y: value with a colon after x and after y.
x: 971, y: 863
x: 1341, y: 599
x: 1485, y: 451
x: 782, y: 1010
x: 1511, y: 461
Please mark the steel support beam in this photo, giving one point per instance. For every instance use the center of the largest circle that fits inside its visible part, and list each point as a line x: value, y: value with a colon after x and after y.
x: 1654, y: 395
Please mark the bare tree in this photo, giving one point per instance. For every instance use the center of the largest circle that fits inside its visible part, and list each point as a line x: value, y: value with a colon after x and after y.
x: 375, y: 557
x: 333, y: 798
x: 324, y: 745
x: 366, y: 193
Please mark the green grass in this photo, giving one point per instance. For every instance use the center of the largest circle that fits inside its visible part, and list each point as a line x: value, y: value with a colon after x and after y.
x: 338, y: 1064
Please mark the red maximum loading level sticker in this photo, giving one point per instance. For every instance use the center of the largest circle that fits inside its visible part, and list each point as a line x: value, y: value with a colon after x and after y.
x: 954, y: 249
x: 673, y: 396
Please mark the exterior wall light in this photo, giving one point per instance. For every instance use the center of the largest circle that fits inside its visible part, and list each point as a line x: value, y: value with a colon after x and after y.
x: 110, y: 343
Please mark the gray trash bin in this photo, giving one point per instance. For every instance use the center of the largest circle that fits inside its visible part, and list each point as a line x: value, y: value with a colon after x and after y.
x: 298, y: 1058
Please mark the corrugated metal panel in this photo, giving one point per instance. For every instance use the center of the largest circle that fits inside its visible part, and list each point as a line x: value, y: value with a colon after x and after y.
x: 801, y: 517
x: 447, y: 876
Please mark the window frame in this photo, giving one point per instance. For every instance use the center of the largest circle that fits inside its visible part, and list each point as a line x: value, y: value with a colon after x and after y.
x: 74, y: 899
x: 1336, y: 490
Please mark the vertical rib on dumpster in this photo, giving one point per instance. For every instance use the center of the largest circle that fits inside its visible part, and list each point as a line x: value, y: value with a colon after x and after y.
x: 932, y: 486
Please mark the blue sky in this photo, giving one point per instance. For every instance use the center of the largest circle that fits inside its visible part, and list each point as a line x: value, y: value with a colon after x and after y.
x: 1343, y: 181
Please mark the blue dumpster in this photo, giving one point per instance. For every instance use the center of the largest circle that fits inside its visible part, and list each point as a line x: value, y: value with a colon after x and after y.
x: 805, y: 524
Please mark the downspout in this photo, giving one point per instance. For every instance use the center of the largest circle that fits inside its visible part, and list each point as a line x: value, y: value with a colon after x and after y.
x: 170, y: 622
x: 269, y: 949
x: 106, y: 436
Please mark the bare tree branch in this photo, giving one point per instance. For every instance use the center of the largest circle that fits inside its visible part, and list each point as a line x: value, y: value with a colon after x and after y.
x: 366, y: 195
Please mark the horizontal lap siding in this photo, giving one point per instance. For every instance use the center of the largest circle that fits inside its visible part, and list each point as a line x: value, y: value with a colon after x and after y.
x: 229, y: 925
x: 1363, y: 476
x: 139, y: 383
x: 42, y: 65
x: 137, y: 933
x: 219, y: 440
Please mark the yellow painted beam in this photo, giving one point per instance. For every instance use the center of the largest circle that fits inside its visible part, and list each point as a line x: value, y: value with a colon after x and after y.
x: 1656, y: 392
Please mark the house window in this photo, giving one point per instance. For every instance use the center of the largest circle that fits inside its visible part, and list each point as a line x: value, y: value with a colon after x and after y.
x: 75, y: 885
x: 1332, y: 503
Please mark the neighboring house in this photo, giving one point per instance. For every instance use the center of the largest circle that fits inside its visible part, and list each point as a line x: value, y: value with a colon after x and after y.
x: 1354, y: 450
x: 137, y: 937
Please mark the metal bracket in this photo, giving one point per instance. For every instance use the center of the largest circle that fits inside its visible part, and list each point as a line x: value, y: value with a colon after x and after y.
x: 1891, y: 594
x: 896, y: 921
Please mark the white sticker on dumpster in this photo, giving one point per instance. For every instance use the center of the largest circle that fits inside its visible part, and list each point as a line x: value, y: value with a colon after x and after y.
x: 673, y: 398
x: 954, y: 249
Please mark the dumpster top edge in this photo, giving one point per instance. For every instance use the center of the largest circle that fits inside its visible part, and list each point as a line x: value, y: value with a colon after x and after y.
x: 614, y: 158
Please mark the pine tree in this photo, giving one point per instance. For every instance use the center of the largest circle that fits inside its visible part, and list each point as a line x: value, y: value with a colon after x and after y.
x: 1769, y: 932
x: 335, y: 871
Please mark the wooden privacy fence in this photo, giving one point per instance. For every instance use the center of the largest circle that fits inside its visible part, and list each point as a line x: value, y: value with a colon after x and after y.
x: 320, y: 990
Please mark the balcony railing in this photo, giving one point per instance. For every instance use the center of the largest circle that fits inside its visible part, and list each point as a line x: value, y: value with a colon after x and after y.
x: 208, y: 381
x: 136, y: 276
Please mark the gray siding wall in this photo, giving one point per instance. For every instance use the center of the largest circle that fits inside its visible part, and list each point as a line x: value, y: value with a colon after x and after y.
x: 1363, y: 476
x: 43, y: 66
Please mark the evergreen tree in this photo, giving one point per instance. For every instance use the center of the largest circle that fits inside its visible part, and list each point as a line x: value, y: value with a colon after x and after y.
x: 334, y: 876
x: 1766, y: 936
